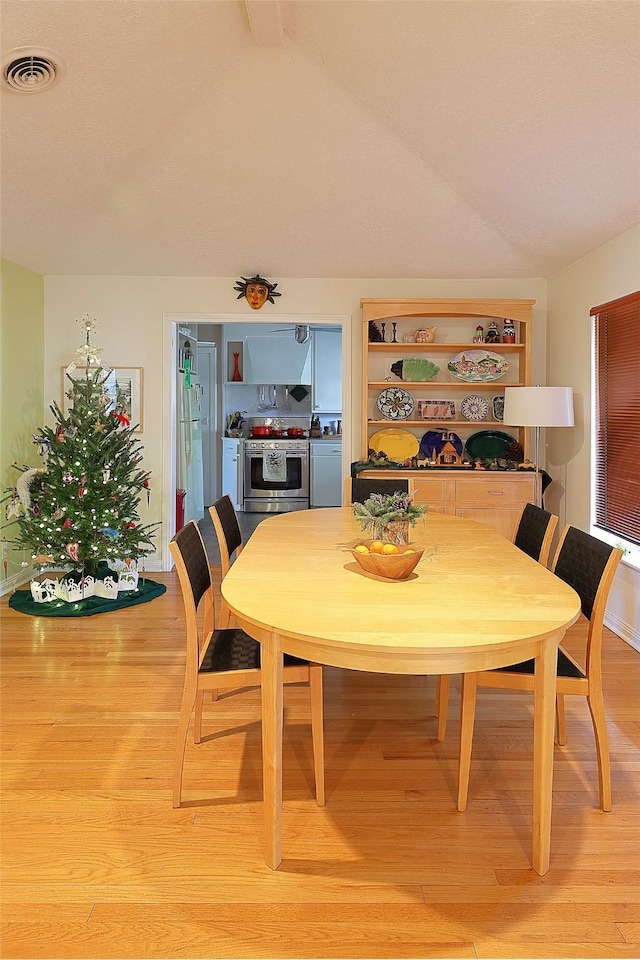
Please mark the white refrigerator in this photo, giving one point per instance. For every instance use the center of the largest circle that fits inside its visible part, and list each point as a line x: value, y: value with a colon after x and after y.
x: 189, y: 465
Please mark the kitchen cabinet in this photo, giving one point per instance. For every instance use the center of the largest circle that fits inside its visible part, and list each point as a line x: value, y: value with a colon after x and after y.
x: 277, y: 360
x: 326, y: 473
x: 326, y: 388
x: 495, y: 498
x: 232, y: 470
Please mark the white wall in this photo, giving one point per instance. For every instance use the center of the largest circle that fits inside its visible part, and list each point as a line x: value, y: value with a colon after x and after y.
x: 606, y: 273
x: 134, y: 326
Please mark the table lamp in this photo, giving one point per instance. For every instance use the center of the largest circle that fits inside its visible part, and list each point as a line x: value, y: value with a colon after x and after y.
x: 538, y: 407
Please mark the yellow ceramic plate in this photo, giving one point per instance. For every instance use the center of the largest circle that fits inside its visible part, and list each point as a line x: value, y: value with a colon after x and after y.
x: 398, y: 445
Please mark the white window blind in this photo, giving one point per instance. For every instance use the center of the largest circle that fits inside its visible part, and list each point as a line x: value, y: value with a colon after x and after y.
x: 617, y: 420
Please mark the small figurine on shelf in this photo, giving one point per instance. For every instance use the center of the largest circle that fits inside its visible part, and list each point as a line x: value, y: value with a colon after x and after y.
x: 493, y: 336
x: 375, y: 334
x: 394, y: 338
x: 508, y: 331
x: 425, y: 335
x: 479, y: 336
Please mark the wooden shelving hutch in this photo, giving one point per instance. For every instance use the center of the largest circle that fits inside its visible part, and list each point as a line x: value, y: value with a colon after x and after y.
x: 493, y: 497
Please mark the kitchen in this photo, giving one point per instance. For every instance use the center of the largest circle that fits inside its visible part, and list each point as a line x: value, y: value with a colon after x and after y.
x: 259, y: 417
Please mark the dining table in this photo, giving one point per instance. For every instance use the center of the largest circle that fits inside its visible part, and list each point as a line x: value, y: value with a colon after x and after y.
x: 473, y: 602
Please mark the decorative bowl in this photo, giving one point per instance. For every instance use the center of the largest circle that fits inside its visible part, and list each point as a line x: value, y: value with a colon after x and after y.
x: 391, y: 566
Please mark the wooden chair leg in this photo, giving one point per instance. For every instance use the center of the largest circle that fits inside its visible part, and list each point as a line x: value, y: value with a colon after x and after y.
x: 561, y: 724
x: 443, y: 686
x: 186, y: 709
x: 225, y: 616
x: 596, y: 707
x: 197, y: 720
x: 467, y: 719
x: 317, y: 728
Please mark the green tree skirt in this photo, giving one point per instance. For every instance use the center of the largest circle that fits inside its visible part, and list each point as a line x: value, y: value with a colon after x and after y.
x: 146, y: 590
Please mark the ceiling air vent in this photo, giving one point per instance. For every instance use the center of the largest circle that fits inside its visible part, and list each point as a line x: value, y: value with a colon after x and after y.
x: 30, y: 70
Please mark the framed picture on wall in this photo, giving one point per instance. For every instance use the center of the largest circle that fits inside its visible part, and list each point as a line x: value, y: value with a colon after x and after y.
x: 123, y: 386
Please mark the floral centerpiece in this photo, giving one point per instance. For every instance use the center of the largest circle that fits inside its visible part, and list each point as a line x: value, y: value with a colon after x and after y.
x: 388, y: 516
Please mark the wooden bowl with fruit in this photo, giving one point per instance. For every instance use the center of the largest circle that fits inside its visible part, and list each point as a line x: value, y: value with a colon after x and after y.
x: 391, y: 561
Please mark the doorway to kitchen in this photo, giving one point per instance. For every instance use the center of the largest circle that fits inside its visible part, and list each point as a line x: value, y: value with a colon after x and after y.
x: 172, y: 322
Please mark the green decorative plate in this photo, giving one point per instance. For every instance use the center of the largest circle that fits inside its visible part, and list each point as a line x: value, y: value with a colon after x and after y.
x: 488, y: 445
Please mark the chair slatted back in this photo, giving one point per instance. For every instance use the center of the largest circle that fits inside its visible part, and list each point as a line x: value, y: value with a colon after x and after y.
x: 361, y: 490
x: 192, y: 566
x: 535, y: 532
x: 589, y: 566
x: 225, y: 521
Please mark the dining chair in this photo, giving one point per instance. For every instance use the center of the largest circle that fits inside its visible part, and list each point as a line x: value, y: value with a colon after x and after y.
x: 535, y: 532
x: 361, y: 490
x: 588, y: 565
x: 225, y: 658
x: 227, y: 527
x: 533, y: 536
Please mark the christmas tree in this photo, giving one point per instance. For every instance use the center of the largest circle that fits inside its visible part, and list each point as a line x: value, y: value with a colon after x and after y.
x: 81, y: 506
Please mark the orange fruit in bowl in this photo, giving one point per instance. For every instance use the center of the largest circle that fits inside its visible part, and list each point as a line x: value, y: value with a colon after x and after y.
x: 390, y: 548
x: 376, y: 546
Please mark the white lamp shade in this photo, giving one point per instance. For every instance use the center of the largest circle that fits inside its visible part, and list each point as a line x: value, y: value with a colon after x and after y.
x: 538, y: 406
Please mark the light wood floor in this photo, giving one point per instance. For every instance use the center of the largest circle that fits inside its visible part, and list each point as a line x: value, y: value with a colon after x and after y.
x: 97, y: 864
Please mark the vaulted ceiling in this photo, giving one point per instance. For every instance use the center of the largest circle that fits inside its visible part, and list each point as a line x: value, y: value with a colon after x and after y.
x: 321, y: 138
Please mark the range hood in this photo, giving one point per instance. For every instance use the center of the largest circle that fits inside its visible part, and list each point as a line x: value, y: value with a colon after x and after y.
x: 277, y: 360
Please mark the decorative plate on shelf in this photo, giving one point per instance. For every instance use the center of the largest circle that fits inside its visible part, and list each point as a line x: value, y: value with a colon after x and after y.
x: 498, y: 407
x: 395, y: 404
x: 436, y: 410
x: 477, y: 366
x: 488, y: 445
x: 434, y: 440
x: 415, y: 369
x: 399, y: 445
x: 474, y: 407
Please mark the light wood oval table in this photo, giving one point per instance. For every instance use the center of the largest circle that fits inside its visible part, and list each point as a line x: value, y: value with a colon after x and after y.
x: 474, y: 602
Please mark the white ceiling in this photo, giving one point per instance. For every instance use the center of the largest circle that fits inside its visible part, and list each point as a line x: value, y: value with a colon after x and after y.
x: 379, y: 138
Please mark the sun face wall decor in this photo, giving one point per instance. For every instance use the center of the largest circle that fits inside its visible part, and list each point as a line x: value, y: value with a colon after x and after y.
x: 256, y: 290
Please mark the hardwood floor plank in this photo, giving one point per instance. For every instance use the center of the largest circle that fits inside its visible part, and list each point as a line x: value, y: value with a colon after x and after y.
x: 97, y: 864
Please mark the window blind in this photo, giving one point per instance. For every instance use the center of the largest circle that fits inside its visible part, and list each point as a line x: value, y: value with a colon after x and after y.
x: 617, y: 417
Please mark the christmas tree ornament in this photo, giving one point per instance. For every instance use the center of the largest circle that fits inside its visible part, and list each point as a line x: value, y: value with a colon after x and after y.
x: 24, y: 483
x: 13, y: 507
x: 72, y: 550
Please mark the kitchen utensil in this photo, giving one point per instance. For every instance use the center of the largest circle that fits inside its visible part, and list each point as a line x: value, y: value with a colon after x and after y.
x: 262, y: 400
x: 286, y: 405
x: 295, y: 432
x: 261, y: 431
x: 274, y: 402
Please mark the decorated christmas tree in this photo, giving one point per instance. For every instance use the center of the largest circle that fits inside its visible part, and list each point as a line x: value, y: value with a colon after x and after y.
x: 80, y: 507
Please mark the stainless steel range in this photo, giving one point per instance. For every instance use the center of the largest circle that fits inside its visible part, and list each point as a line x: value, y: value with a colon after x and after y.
x: 276, y: 475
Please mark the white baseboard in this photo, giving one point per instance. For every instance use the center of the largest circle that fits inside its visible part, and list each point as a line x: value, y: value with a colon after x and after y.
x: 623, y: 630
x: 17, y: 580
